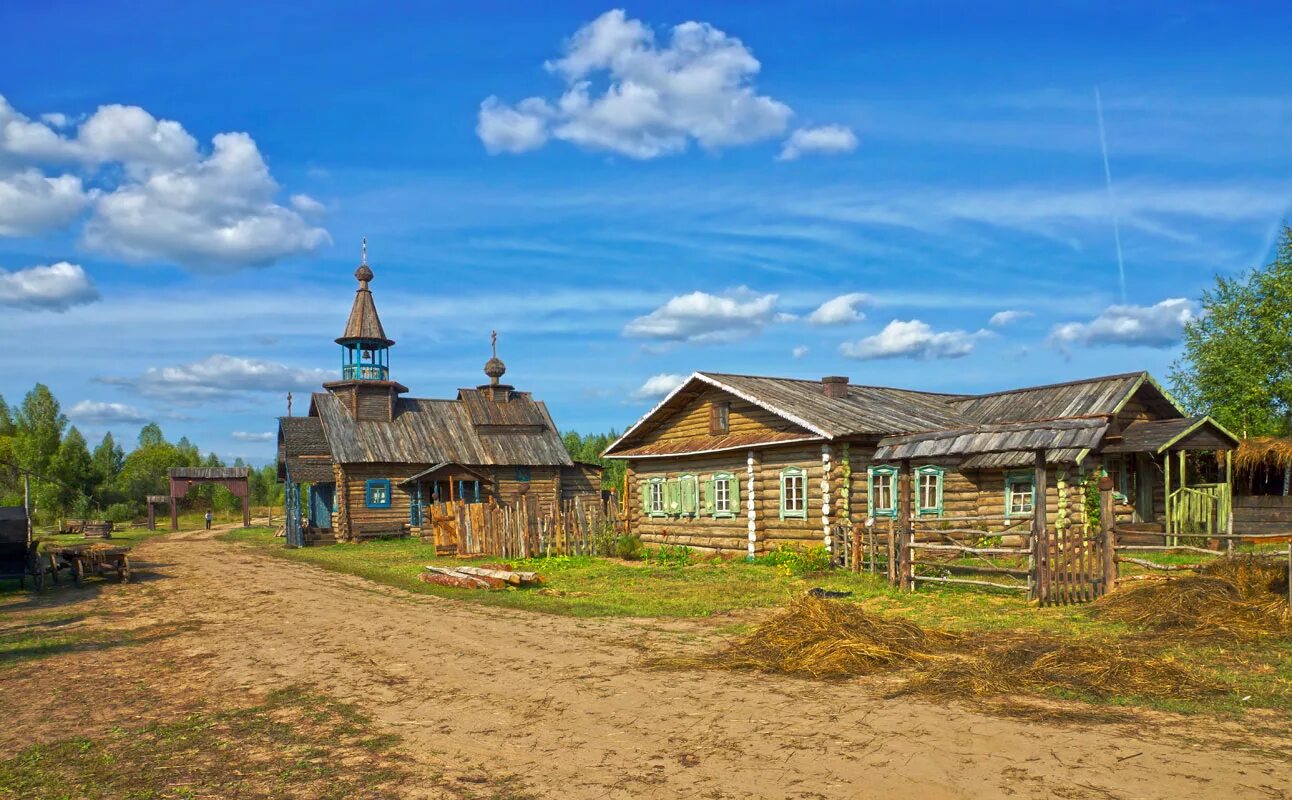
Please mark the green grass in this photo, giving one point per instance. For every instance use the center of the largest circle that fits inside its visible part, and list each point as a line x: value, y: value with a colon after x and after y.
x: 295, y: 744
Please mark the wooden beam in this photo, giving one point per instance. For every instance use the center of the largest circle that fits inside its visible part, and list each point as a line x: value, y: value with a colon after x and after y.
x: 1039, y: 524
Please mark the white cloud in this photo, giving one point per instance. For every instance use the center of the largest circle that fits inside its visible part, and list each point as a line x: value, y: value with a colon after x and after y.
x: 657, y: 386
x: 840, y: 310
x: 216, y: 213
x: 1008, y: 317
x: 911, y: 339
x: 504, y: 129
x: 218, y: 377
x: 627, y: 93
x: 825, y: 140
x: 245, y: 436
x: 306, y: 204
x: 799, y: 351
x: 706, y: 318
x: 31, y: 203
x: 97, y: 412
x: 1160, y: 325
x: 54, y: 287
x: 162, y: 199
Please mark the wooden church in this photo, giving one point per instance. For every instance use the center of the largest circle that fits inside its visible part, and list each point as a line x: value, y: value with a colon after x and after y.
x: 368, y: 462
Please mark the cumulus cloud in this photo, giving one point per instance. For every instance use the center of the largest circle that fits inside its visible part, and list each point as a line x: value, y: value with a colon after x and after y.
x: 657, y: 386
x: 911, y: 339
x: 215, y: 213
x: 706, y: 318
x: 245, y: 436
x: 218, y: 377
x: 627, y: 93
x: 1159, y: 325
x: 53, y: 287
x: 96, y: 412
x: 162, y: 199
x: 32, y: 203
x: 825, y: 140
x: 840, y: 310
x: 1008, y: 317
x: 799, y: 351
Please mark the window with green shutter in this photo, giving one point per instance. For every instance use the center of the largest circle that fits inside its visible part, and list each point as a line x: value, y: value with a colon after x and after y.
x: 653, y: 500
x: 794, y: 493
x: 724, y: 495
x: 882, y: 482
x: 688, y: 487
x: 928, y: 490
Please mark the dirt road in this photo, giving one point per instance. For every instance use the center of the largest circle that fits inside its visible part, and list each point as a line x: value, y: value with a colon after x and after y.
x: 565, y: 704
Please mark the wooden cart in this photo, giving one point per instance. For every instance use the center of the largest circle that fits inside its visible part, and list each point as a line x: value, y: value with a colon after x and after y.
x: 82, y: 560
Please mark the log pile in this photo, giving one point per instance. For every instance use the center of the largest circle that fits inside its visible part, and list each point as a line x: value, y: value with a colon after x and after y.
x: 478, y: 577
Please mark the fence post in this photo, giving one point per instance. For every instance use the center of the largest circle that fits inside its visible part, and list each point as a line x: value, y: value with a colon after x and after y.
x: 1039, y: 543
x: 907, y: 573
x: 1108, y: 530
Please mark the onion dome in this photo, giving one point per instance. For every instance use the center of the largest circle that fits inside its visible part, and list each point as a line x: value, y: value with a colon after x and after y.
x: 494, y: 367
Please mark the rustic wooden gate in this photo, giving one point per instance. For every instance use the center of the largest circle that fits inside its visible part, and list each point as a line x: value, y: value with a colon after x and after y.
x: 1069, y: 566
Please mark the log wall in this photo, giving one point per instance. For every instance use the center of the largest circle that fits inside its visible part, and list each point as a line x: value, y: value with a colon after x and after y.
x: 703, y: 532
x: 692, y: 420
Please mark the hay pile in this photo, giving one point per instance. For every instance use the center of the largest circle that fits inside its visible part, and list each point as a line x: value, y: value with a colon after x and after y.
x: 1033, y: 664
x: 1241, y: 598
x: 820, y: 638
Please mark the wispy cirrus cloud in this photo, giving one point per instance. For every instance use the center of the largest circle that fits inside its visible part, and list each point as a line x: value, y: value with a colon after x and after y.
x: 219, y: 377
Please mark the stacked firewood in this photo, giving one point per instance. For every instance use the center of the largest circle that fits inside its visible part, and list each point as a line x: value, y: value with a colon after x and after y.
x: 479, y: 577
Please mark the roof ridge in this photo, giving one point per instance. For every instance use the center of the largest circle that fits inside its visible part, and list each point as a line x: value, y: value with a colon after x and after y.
x: 1039, y: 387
x: 817, y: 382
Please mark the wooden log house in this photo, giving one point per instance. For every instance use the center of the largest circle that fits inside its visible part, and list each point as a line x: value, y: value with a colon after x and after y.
x: 369, y: 462
x: 740, y: 463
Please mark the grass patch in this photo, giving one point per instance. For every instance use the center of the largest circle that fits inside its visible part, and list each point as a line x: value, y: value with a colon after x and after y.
x: 295, y: 744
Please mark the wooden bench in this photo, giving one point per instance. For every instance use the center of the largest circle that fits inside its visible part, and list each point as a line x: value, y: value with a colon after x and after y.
x: 378, y: 530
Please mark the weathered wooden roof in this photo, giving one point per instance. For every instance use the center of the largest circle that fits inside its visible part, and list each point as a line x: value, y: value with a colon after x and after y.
x: 1156, y: 436
x: 1105, y: 395
x: 433, y: 431
x: 518, y: 410
x: 210, y: 473
x: 1011, y: 437
x: 1025, y: 458
x: 447, y: 469
x: 363, y: 324
x: 695, y: 445
x: 302, y: 436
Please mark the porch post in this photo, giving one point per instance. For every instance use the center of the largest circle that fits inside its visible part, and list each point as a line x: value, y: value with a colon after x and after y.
x: 1166, y: 477
x: 1107, y: 527
x: 1039, y: 525
x: 906, y: 576
x: 1229, y: 501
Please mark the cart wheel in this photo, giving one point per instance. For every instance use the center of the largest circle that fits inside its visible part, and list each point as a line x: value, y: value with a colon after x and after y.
x: 123, y: 570
x: 38, y: 579
x: 78, y: 571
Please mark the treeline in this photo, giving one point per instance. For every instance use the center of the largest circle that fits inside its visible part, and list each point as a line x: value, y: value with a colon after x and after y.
x: 71, y: 480
x: 589, y: 448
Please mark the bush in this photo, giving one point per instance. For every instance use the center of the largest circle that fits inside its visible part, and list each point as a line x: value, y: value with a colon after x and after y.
x: 121, y: 512
x: 796, y: 561
x: 669, y: 555
x: 629, y: 547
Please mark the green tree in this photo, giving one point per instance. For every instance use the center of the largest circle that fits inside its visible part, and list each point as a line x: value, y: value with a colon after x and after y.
x: 73, y: 469
x: 108, y: 459
x: 1237, y: 362
x: 151, y: 434
x: 10, y: 491
x: 144, y: 473
x: 589, y: 449
x: 38, y: 431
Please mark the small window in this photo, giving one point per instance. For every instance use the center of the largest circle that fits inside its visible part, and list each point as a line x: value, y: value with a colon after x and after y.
x: 1020, y: 495
x: 522, y: 474
x: 377, y: 493
x: 722, y: 495
x: 794, y: 493
x: 928, y: 488
x: 655, y: 497
x: 883, y: 492
x: 720, y: 418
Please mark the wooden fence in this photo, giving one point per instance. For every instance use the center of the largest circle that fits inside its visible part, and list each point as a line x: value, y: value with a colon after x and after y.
x: 523, y: 530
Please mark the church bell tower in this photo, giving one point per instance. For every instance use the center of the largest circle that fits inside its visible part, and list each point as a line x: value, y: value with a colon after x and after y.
x: 365, y: 386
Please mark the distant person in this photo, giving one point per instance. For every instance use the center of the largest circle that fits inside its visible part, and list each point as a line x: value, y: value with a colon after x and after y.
x: 208, y: 520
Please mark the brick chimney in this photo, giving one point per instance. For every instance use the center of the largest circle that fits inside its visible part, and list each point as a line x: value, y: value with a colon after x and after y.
x: 835, y: 385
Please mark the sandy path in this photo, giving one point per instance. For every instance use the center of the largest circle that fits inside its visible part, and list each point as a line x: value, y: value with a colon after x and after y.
x: 564, y: 703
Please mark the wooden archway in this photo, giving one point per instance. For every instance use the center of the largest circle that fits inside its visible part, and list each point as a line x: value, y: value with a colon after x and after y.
x: 232, y: 478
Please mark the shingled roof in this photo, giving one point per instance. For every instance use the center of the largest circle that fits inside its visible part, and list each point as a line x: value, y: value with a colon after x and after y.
x: 888, y: 412
x: 433, y: 431
x: 363, y: 324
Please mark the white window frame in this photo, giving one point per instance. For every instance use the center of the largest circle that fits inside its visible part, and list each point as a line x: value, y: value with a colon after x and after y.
x: 790, y: 510
x: 656, y: 496
x: 1019, y: 479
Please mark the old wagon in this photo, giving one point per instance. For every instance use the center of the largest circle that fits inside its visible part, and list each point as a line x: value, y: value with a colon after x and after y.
x: 17, y: 551
x: 83, y: 560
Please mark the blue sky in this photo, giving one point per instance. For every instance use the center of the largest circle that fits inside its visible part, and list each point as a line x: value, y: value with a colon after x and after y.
x: 793, y: 189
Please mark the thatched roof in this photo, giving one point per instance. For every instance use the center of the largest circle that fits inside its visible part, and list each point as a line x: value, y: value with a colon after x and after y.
x: 1263, y: 450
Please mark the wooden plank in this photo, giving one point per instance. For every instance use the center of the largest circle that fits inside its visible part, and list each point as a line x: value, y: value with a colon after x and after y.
x: 968, y: 582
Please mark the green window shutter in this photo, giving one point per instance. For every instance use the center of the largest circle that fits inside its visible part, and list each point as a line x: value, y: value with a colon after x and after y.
x: 733, y: 484
x: 672, y: 497
x: 686, y: 486
x: 644, y: 488
x: 708, y: 496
